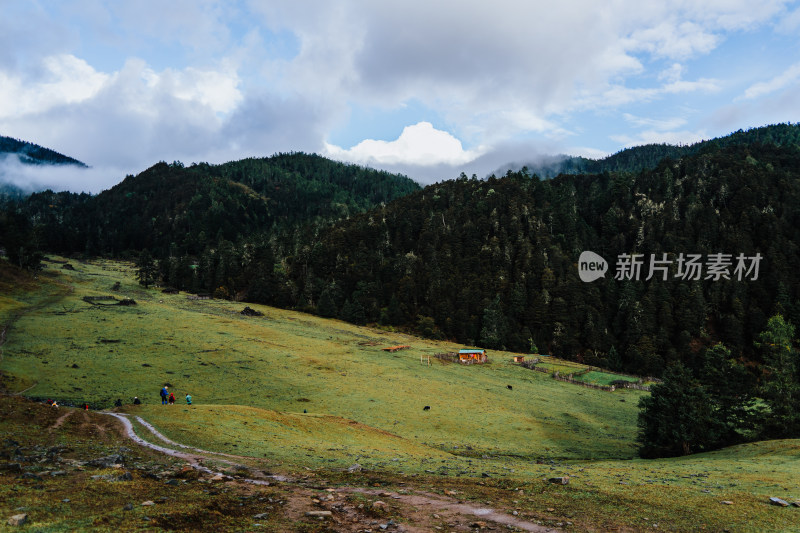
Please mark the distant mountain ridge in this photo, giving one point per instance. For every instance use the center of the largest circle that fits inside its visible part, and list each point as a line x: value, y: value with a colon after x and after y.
x: 170, y: 208
x: 33, y: 154
x: 648, y: 156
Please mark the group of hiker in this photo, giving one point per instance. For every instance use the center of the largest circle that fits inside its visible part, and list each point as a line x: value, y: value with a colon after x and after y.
x: 169, y: 398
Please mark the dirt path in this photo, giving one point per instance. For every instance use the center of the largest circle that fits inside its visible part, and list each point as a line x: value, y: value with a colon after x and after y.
x: 61, y: 420
x: 420, y: 504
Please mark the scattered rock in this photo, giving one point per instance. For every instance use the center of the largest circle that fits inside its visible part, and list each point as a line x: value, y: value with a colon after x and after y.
x: 378, y: 504
x: 127, y: 301
x: 37, y: 477
x: 248, y: 311
x: 18, y: 519
x: 559, y: 480
x: 148, y: 503
x: 173, y: 482
x: 125, y: 477
x: 726, y: 502
x: 261, y: 516
x: 796, y: 504
x: 778, y: 502
x: 355, y: 468
x: 127, y: 507
x: 11, y: 467
x: 67, y: 266
x: 478, y: 525
x: 108, y: 461
x: 319, y: 514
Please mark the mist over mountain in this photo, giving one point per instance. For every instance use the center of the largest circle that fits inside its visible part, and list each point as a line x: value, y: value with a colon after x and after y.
x: 26, y: 167
x: 647, y: 156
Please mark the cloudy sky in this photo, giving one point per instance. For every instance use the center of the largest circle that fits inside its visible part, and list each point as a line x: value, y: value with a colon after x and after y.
x: 428, y: 88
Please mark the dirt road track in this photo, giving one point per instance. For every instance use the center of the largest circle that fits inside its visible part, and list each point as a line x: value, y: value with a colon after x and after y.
x: 427, y: 503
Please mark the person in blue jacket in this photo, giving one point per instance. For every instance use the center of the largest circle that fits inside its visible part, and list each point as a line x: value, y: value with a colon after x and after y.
x: 164, y: 395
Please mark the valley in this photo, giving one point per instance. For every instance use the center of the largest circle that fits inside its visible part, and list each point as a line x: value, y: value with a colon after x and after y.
x: 319, y: 403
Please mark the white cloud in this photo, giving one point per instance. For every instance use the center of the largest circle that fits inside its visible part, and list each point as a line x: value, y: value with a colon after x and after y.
x: 788, y: 77
x: 473, y: 62
x: 205, y: 79
x: 420, y: 144
x: 674, y: 40
x: 66, y: 80
x: 659, y: 125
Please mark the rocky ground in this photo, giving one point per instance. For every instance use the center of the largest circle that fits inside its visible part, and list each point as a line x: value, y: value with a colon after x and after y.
x: 66, y: 469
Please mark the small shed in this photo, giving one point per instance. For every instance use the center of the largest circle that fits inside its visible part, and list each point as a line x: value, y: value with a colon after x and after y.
x: 469, y: 356
x: 519, y: 358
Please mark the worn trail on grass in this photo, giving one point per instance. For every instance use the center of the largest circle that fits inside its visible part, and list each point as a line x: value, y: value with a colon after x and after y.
x: 432, y: 502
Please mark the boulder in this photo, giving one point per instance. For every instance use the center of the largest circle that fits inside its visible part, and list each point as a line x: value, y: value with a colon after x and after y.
x: 107, y: 461
x: 778, y: 502
x: 248, y: 311
x: 564, y: 480
x: 18, y: 520
x: 319, y: 514
x: 355, y: 468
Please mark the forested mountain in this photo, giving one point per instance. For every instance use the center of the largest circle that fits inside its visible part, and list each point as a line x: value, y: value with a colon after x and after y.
x: 649, y: 155
x: 486, y: 262
x: 172, y: 210
x: 494, y: 262
x: 34, y: 154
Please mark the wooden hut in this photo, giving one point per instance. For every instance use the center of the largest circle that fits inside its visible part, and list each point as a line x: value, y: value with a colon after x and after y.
x: 519, y: 358
x: 469, y: 356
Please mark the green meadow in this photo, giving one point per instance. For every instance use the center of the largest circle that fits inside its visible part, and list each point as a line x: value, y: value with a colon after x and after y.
x: 301, y: 392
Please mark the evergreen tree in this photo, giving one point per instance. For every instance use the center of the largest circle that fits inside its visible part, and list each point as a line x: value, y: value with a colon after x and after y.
x: 730, y: 387
x: 780, y: 389
x: 677, y: 417
x: 146, y: 269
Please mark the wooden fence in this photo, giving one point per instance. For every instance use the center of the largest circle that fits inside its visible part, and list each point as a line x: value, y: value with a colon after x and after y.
x: 570, y: 378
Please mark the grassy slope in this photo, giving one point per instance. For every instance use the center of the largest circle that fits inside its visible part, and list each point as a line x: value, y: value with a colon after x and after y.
x: 251, y: 379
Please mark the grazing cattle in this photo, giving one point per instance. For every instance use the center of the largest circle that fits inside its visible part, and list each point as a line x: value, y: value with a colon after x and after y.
x: 510, y: 387
x: 426, y: 408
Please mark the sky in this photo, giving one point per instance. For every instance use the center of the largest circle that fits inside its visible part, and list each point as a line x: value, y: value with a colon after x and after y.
x: 427, y: 88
